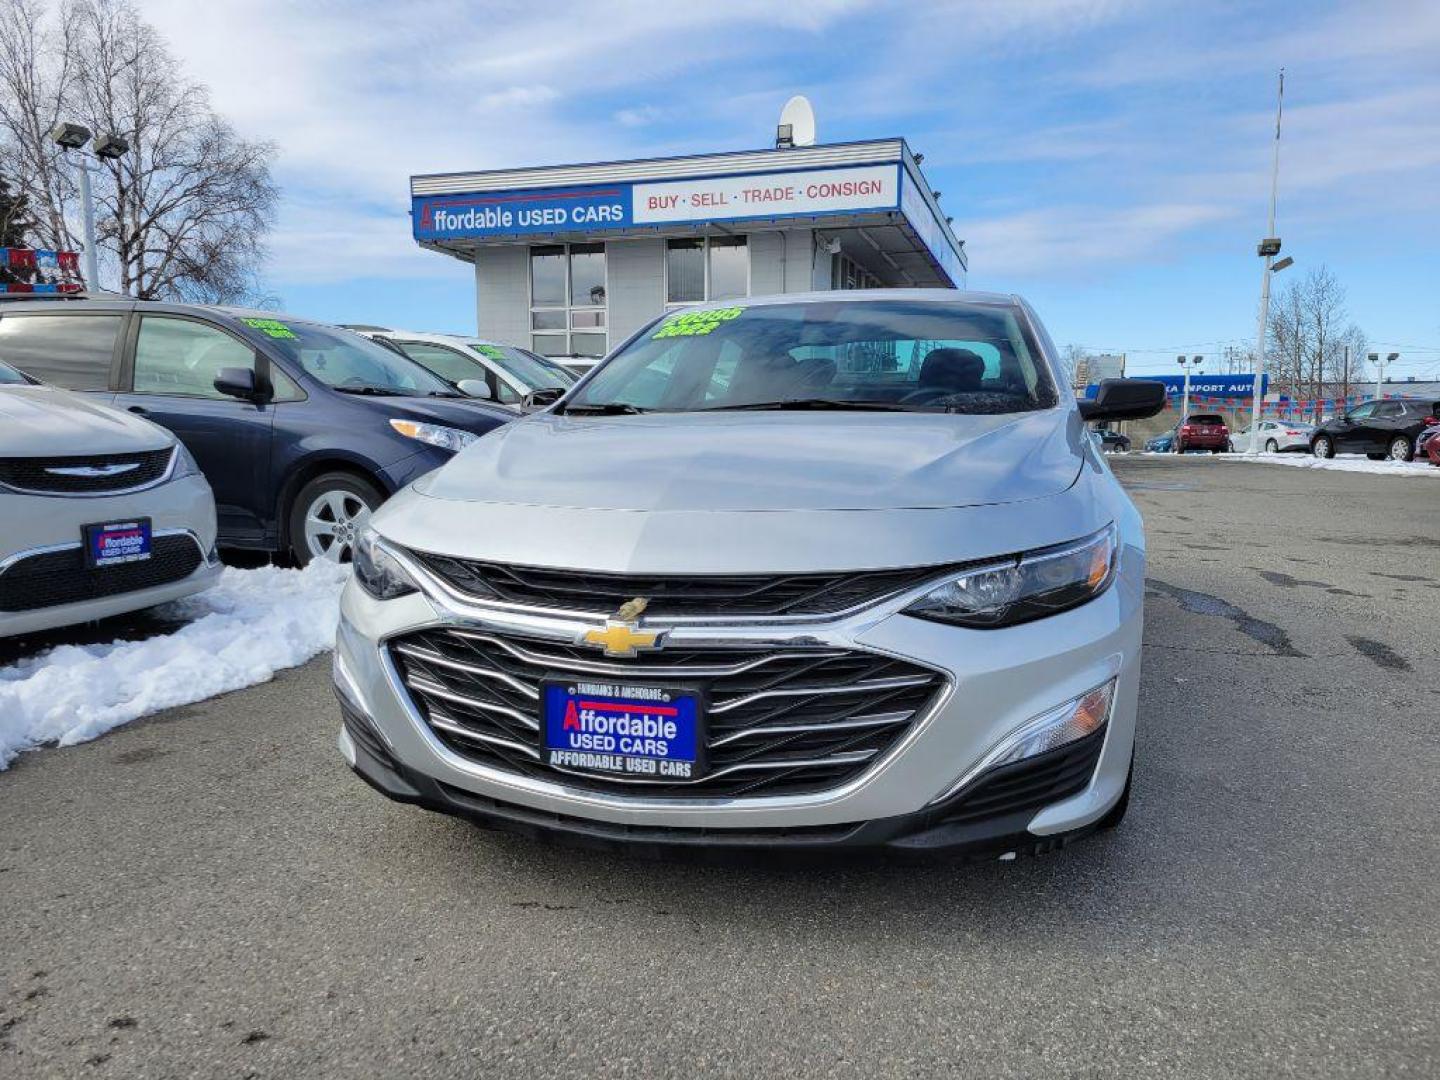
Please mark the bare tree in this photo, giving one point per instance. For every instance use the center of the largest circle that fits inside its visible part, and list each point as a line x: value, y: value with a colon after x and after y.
x: 1070, y: 358
x: 184, y: 213
x: 1308, y: 332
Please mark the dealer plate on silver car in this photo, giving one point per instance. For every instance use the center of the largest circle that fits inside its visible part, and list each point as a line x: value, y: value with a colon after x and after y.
x: 611, y: 729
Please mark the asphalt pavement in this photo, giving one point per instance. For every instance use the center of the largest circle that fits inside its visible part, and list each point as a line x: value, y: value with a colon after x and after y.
x: 210, y: 892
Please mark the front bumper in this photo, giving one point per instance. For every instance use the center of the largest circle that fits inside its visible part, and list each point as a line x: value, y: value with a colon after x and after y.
x: 37, y: 523
x: 997, y: 681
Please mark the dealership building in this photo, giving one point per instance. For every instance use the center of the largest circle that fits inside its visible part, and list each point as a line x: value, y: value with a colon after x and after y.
x: 572, y: 259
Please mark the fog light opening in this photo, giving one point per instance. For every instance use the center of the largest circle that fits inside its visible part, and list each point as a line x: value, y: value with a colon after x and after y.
x: 1051, y: 730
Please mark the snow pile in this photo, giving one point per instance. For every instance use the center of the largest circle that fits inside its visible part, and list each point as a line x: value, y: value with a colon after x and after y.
x: 1342, y: 463
x: 250, y: 625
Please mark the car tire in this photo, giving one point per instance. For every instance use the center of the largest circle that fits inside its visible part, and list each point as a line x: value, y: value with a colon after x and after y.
x: 1271, y: 446
x: 1401, y: 449
x: 1116, y: 813
x: 1322, y: 446
x: 327, y: 514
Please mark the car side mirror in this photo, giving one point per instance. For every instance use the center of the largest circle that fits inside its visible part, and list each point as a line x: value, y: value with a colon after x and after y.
x: 542, y: 398
x: 241, y: 383
x: 475, y: 388
x: 1125, y: 399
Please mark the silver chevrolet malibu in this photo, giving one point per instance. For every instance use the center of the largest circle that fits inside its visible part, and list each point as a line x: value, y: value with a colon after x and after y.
x: 822, y: 571
x: 101, y: 512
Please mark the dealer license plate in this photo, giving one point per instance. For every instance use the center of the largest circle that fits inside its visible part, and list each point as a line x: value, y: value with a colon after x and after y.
x: 612, y: 729
x: 117, y: 542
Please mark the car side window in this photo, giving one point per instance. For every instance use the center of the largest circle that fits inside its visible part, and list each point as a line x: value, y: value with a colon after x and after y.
x: 69, y: 351
x: 1387, y: 410
x: 285, y: 388
x: 182, y: 357
x: 502, y: 391
x: 1362, y: 412
x: 450, y: 364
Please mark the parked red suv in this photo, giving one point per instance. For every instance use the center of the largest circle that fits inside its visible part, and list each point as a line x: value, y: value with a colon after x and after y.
x: 1203, y: 431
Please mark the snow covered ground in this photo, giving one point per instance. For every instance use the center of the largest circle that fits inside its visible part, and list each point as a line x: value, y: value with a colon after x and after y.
x: 1341, y: 463
x: 250, y: 625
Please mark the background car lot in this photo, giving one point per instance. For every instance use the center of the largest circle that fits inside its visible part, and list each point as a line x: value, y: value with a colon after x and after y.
x: 209, y: 891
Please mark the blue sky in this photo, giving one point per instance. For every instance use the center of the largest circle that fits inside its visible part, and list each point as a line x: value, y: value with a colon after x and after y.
x: 1107, y: 159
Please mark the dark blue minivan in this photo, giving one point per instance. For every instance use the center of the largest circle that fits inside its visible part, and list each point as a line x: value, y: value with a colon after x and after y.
x: 302, y: 429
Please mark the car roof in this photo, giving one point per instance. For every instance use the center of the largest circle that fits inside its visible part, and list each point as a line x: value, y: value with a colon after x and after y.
x: 120, y: 302
x: 851, y: 296
x: 430, y: 335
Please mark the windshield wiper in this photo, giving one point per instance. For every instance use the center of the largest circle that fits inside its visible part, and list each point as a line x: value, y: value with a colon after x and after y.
x: 445, y: 393
x: 605, y: 408
x: 812, y: 403
x: 378, y: 391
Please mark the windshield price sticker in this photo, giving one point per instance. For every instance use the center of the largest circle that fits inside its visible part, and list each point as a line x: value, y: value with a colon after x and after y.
x: 492, y: 351
x: 271, y: 327
x: 695, y: 323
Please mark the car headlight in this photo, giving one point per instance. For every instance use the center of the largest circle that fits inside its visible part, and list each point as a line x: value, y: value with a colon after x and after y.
x: 1036, y: 584
x: 447, y: 438
x: 378, y: 572
x: 185, y: 463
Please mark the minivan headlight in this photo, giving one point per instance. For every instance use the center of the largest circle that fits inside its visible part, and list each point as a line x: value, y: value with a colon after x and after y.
x: 185, y: 463
x: 1036, y: 584
x: 447, y: 438
x: 378, y: 572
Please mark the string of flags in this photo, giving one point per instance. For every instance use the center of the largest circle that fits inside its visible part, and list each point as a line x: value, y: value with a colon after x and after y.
x: 28, y: 270
x: 1282, y: 409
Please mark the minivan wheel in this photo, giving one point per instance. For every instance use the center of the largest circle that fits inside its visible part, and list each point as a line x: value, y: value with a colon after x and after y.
x: 1322, y: 447
x: 327, y: 515
x: 1271, y: 446
x: 1400, y: 449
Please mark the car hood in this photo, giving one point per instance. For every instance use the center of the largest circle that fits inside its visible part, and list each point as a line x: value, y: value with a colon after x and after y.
x: 770, y: 461
x: 467, y: 415
x: 41, y: 421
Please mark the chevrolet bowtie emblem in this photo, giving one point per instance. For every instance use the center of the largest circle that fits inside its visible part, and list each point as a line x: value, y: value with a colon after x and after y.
x: 622, y: 636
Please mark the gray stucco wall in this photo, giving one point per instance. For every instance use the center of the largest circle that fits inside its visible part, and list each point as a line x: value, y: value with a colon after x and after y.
x: 634, y: 285
x: 502, y: 294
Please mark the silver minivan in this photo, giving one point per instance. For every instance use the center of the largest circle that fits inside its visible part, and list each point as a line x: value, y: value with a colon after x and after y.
x: 101, y: 512
x: 816, y: 571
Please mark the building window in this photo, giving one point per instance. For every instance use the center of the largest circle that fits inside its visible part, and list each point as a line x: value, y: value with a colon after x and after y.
x: 567, y: 299
x: 846, y: 273
x: 706, y: 268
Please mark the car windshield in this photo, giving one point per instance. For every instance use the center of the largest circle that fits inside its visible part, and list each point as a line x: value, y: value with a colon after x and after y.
x: 892, y: 355
x: 529, y: 369
x: 351, y: 363
x: 9, y: 376
x: 1206, y: 419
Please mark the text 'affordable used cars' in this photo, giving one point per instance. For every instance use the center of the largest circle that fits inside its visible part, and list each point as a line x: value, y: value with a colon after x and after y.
x: 818, y: 571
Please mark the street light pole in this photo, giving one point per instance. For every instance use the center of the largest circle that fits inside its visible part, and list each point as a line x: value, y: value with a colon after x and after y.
x: 87, y: 209
x: 1390, y: 358
x: 1269, y: 248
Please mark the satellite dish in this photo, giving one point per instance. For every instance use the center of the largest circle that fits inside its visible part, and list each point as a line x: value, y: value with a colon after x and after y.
x: 799, y: 117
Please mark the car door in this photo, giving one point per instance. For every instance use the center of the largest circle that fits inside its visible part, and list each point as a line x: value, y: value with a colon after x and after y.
x: 1388, y: 421
x: 169, y: 378
x: 1351, y: 431
x: 1240, y: 440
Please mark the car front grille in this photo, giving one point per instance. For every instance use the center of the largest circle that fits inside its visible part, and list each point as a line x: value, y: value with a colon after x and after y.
x: 779, y: 720
x: 675, y: 595
x: 61, y: 577
x: 88, y: 474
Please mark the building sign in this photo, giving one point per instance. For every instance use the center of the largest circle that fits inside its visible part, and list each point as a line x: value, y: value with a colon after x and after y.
x: 917, y: 212
x: 766, y: 195
x: 611, y: 206
x: 1237, y: 386
x: 505, y: 213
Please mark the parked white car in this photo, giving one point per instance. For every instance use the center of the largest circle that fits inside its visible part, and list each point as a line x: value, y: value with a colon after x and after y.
x: 104, y: 512
x: 508, y: 373
x: 1275, y: 437
x: 827, y: 570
